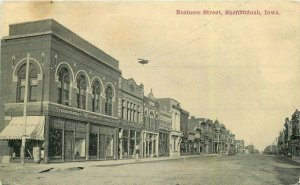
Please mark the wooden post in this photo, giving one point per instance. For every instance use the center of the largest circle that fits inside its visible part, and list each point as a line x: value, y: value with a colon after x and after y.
x: 23, y: 146
x: 87, y: 143
x: 46, y: 140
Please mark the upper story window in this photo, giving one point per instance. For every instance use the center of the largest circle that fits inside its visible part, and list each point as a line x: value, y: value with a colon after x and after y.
x: 81, y: 92
x: 96, y: 96
x: 32, y: 83
x: 108, y: 101
x: 63, y: 86
x: 138, y: 114
x: 151, y: 121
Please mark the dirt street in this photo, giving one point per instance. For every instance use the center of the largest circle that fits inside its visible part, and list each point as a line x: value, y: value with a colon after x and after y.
x: 225, y: 170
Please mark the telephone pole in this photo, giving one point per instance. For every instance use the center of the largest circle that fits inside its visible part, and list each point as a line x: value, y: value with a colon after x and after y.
x: 23, y: 146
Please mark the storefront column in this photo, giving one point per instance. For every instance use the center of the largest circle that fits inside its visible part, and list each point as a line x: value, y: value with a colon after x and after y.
x: 148, y: 147
x: 121, y: 143
x: 63, y: 141
x: 152, y: 146
x: 87, y: 145
x: 46, y: 140
x: 157, y: 142
x: 134, y: 150
x: 115, y: 143
x: 98, y: 143
x: 144, y: 144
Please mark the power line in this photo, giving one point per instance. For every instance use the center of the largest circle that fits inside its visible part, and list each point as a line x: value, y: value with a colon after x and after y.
x: 196, y: 29
x: 192, y: 41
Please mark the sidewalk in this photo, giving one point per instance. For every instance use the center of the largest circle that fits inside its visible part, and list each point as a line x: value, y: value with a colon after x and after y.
x: 295, y: 159
x: 34, y: 167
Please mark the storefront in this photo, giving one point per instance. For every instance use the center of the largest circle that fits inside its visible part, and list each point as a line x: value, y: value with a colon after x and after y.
x: 128, y: 142
x: 71, y: 140
x: 163, y: 144
x: 150, y: 144
x: 34, y: 131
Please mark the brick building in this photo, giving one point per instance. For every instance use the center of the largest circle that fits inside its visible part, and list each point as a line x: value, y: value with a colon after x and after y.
x: 72, y: 109
x: 131, y: 117
x: 165, y: 127
x: 176, y: 135
x: 151, y: 126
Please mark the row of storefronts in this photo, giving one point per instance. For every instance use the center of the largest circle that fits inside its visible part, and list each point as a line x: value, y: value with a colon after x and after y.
x: 207, y: 137
x: 78, y: 107
x: 288, y: 142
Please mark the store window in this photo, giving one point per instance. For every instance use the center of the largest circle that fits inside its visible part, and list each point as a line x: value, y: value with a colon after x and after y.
x: 32, y: 83
x: 109, y: 146
x: 80, y: 140
x: 125, y: 143
x: 55, y: 143
x: 132, y: 143
x: 93, y: 146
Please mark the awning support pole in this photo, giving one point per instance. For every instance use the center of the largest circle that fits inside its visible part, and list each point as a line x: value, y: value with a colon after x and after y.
x: 25, y: 112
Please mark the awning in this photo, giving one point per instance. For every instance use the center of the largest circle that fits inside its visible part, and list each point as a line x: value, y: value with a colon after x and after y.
x: 15, y: 128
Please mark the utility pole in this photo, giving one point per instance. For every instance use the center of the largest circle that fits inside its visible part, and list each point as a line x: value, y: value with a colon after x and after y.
x: 23, y: 148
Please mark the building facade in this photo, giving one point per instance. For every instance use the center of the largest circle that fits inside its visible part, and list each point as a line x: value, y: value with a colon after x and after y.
x: 239, y: 145
x: 150, y: 132
x: 72, y: 109
x: 71, y: 102
x: 295, y: 137
x: 176, y: 135
x: 131, y: 117
x: 187, y: 143
x: 165, y: 127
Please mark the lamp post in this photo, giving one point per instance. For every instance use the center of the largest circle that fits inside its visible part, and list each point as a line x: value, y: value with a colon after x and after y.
x: 23, y: 148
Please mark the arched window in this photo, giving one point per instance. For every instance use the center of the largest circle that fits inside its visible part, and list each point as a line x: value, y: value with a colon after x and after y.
x: 108, y: 102
x: 63, y: 86
x: 96, y: 96
x: 81, y: 92
x: 32, y: 83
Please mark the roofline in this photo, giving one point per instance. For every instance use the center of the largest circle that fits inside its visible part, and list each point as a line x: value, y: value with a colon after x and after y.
x: 53, y: 34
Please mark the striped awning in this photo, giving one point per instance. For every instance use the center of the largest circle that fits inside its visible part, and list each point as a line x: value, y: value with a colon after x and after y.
x: 16, y: 128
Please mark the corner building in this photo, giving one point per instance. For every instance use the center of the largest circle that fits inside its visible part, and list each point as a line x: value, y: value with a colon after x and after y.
x: 72, y: 109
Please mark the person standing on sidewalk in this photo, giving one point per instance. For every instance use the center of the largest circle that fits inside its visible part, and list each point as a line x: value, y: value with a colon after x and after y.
x: 137, y: 153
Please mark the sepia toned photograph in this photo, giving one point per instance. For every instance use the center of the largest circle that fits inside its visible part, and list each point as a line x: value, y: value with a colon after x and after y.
x: 150, y: 92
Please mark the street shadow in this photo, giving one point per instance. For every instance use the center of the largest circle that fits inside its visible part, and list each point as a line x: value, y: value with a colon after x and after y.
x: 280, y: 159
x: 288, y: 176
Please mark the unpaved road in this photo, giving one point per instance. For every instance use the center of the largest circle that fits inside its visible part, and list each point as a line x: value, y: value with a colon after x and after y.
x: 225, y: 170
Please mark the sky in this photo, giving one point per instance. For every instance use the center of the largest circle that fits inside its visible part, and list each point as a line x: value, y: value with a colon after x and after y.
x: 243, y: 70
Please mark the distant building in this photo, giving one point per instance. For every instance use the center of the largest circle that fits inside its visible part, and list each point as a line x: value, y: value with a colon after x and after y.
x: 165, y: 127
x: 150, y: 132
x: 176, y: 135
x: 187, y: 144
x: 295, y: 137
x: 131, y: 117
x: 239, y: 145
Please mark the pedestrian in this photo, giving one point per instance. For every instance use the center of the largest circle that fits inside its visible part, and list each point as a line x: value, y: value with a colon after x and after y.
x: 137, y: 153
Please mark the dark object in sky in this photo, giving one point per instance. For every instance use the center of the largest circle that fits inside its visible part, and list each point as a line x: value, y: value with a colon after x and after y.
x: 143, y: 61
